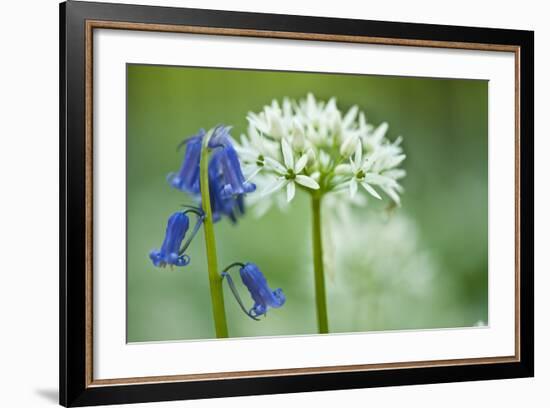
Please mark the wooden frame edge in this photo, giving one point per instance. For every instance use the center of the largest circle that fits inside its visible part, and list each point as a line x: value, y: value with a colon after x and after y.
x: 89, y: 206
x: 231, y: 375
x: 237, y: 32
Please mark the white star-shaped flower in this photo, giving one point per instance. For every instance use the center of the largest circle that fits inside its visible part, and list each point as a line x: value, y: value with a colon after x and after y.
x: 282, y: 132
x: 252, y: 150
x: 289, y: 173
x: 359, y: 169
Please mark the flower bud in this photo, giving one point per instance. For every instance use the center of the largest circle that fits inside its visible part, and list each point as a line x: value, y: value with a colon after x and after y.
x: 349, y: 145
x: 336, y: 126
x: 276, y: 126
x: 298, y: 139
x: 311, y: 157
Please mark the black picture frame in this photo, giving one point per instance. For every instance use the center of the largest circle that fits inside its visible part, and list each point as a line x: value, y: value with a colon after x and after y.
x: 75, y: 388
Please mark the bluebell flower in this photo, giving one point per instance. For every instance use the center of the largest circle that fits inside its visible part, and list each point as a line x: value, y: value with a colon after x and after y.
x: 188, y: 177
x: 222, y: 204
x: 233, y: 180
x: 262, y: 295
x: 172, y: 252
x: 225, y: 176
x: 220, y: 137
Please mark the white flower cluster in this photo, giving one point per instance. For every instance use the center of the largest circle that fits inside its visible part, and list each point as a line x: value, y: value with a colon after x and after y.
x: 383, y: 270
x: 310, y: 144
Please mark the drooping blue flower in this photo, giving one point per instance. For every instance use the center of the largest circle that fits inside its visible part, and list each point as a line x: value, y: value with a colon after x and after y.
x: 188, y: 177
x: 262, y: 295
x: 227, y: 184
x: 220, y: 137
x: 233, y: 181
x: 222, y: 204
x: 172, y: 252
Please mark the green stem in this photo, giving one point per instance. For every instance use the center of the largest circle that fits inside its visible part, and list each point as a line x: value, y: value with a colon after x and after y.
x: 216, y: 290
x: 318, y: 267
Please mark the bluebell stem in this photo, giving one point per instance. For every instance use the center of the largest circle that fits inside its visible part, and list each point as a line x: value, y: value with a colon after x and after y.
x: 264, y: 298
x: 172, y: 252
x: 187, y: 178
x: 211, y: 173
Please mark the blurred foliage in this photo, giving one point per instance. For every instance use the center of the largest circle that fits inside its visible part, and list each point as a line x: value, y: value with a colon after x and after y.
x: 437, y: 241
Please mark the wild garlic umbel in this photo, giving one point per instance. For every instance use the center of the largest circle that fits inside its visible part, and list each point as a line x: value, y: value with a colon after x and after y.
x: 311, y: 145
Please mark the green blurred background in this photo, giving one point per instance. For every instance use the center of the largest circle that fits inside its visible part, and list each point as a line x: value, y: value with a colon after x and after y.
x: 421, y: 266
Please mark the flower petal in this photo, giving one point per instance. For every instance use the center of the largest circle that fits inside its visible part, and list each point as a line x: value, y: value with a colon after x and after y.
x: 343, y: 169
x: 290, y: 191
x: 276, y: 128
x: 253, y: 174
x: 298, y: 136
x: 392, y: 194
x: 350, y: 144
x: 307, y: 182
x: 302, y: 161
x: 358, y: 154
x: 324, y: 159
x: 371, y: 190
x: 380, y: 180
x: 275, y: 165
x: 395, y: 174
x: 276, y: 185
x: 352, y: 187
x: 350, y: 116
x: 395, y: 161
x: 258, y: 121
x: 288, y: 156
x: 380, y: 132
x: 247, y: 154
x: 315, y: 175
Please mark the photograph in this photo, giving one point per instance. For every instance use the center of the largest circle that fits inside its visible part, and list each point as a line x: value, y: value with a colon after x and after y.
x: 280, y: 203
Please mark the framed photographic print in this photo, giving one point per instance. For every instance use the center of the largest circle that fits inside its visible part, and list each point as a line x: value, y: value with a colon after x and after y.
x: 255, y: 203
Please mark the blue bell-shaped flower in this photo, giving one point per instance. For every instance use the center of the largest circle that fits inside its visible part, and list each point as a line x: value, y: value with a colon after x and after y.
x: 187, y: 179
x: 225, y: 176
x: 172, y: 252
x: 262, y: 295
x: 169, y: 253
